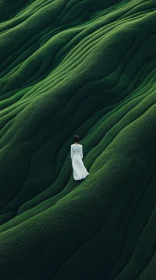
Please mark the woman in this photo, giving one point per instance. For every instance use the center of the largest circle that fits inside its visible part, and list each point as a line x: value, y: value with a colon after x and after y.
x: 79, y: 170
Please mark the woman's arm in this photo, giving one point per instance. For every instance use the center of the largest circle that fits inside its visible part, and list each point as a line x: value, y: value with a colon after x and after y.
x: 81, y: 151
x: 71, y: 152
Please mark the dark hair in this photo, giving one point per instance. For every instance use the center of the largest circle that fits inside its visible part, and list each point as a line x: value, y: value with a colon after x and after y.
x: 76, y: 138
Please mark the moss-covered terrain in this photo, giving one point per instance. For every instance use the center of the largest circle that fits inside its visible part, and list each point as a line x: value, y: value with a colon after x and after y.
x: 85, y: 67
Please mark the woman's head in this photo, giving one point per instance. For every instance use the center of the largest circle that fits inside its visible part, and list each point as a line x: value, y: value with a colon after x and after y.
x: 76, y: 138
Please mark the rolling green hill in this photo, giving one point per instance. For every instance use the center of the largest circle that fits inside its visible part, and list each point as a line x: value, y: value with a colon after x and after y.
x: 84, y: 67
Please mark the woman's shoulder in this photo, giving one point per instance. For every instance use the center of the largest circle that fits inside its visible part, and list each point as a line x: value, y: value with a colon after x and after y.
x: 74, y: 144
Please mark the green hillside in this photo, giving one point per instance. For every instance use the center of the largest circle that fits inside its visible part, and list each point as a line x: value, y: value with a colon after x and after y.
x: 85, y: 67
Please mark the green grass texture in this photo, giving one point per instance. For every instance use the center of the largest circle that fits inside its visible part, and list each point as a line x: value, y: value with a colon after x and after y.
x: 85, y: 67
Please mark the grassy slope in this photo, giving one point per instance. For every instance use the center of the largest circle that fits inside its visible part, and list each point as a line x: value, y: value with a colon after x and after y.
x: 77, y: 67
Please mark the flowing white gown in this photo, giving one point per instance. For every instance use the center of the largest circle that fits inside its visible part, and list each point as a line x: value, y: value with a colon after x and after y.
x: 79, y: 170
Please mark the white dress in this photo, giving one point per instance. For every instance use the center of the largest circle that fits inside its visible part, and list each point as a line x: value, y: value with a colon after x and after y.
x: 79, y: 170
